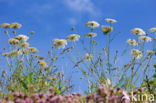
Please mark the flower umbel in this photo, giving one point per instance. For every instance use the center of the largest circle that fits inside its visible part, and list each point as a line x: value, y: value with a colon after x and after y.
x: 24, y: 44
x: 138, y: 31
x: 13, y: 41
x: 6, y: 54
x: 107, y: 29
x: 15, y: 25
x: 88, y: 56
x: 153, y: 30
x: 145, y: 38
x: 92, y: 24
x: 33, y: 50
x: 136, y: 53
x: 110, y: 20
x: 150, y: 52
x: 24, y: 51
x: 132, y: 42
x: 91, y: 35
x: 42, y: 64
x: 22, y: 37
x: 5, y: 25
x: 73, y: 37
x: 59, y: 43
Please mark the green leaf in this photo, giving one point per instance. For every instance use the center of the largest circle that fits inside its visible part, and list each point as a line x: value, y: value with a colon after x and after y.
x: 23, y: 83
x: 133, y: 86
x: 154, y: 76
x: 30, y: 78
x: 56, y: 89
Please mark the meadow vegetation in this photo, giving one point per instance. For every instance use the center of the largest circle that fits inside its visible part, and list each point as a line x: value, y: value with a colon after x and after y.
x: 31, y: 78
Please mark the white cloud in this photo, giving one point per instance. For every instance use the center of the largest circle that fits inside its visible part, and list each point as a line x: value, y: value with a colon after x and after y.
x: 10, y: 2
x: 40, y: 8
x: 72, y: 21
x: 83, y: 6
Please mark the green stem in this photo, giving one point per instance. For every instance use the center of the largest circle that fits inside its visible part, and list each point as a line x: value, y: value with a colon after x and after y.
x: 108, y: 57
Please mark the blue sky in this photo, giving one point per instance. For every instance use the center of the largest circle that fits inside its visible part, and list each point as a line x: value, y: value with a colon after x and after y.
x: 54, y: 18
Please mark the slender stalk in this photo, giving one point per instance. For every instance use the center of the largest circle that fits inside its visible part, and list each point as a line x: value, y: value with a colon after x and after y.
x: 108, y: 58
